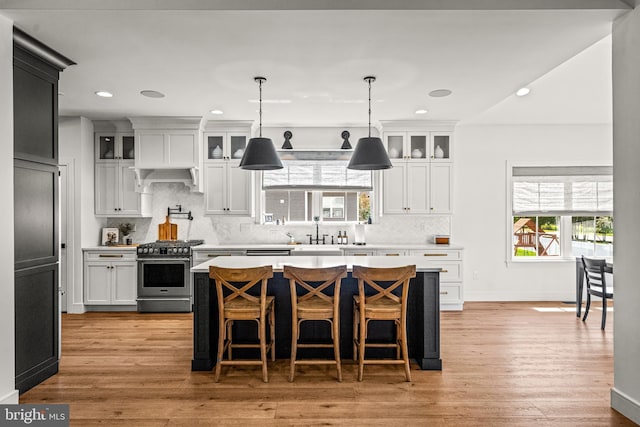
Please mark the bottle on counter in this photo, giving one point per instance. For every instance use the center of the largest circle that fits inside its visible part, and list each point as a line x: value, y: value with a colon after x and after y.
x: 339, y: 237
x: 345, y: 239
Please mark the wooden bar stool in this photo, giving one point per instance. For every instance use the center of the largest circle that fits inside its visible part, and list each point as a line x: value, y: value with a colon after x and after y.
x: 315, y: 295
x: 238, y: 304
x: 376, y: 300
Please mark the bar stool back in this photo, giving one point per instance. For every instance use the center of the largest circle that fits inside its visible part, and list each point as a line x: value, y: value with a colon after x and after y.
x: 315, y: 295
x: 234, y: 304
x: 376, y: 300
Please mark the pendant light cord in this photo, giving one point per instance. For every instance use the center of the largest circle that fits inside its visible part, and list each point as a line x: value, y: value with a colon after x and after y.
x: 369, y: 80
x: 260, y: 107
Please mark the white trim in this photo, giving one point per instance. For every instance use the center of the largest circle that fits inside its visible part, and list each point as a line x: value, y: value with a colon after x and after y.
x: 626, y: 405
x: 11, y: 398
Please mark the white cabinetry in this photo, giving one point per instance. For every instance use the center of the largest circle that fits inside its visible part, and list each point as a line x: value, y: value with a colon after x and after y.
x: 420, y: 181
x: 450, y: 261
x: 116, y: 193
x: 228, y: 189
x: 201, y: 256
x: 110, y: 277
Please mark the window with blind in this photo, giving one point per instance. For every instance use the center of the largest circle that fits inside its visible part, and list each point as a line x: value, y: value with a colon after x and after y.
x: 305, y: 189
x: 562, y: 211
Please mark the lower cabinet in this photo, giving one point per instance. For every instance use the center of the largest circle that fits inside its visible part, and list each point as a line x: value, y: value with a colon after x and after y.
x: 450, y: 261
x: 110, y: 278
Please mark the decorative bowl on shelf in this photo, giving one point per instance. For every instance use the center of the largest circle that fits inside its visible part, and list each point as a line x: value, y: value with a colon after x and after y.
x: 394, y: 153
x: 417, y: 153
x: 238, y: 153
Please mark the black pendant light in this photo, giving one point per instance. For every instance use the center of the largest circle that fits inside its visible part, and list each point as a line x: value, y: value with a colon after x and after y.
x: 260, y: 153
x: 370, y: 153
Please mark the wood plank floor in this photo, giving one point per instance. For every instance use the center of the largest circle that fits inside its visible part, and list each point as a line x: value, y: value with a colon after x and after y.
x: 505, y: 364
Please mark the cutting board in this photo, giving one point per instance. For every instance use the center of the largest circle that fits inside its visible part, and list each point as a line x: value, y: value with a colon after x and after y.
x: 167, y: 231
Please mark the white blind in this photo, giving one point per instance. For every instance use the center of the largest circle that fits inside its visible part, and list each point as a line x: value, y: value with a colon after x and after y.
x: 562, y: 190
x: 316, y: 175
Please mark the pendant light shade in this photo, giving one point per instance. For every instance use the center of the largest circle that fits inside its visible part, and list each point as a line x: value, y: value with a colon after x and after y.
x: 260, y: 153
x: 370, y: 153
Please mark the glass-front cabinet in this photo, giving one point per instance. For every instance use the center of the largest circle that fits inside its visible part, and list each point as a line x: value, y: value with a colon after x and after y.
x: 115, y: 146
x: 226, y: 146
x: 435, y: 146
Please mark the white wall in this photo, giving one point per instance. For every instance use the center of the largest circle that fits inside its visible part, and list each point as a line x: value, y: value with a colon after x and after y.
x: 8, y: 393
x: 480, y: 219
x: 75, y: 137
x: 625, y: 395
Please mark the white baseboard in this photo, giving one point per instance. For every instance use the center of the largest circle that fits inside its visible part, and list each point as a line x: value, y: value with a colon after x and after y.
x: 626, y: 405
x: 76, y: 309
x: 11, y: 398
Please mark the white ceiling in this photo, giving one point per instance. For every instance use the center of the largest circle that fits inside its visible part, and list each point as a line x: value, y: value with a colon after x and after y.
x: 316, y: 59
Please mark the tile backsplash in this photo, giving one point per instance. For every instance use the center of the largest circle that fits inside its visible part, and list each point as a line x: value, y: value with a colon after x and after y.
x: 220, y: 229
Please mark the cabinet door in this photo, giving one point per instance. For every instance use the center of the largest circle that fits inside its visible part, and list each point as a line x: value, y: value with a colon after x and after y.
x: 441, y: 147
x: 151, y: 151
x: 106, y: 188
x: 395, y: 144
x: 97, y: 282
x: 182, y: 149
x: 393, y: 191
x: 215, y: 184
x: 417, y: 187
x: 129, y: 197
x: 440, y: 188
x: 124, y: 285
x: 239, y: 191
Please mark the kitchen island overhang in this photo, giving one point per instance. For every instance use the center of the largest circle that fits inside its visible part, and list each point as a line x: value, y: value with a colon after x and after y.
x: 423, y: 310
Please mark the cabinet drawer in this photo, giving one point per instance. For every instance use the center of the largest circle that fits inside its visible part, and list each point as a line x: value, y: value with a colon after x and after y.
x: 110, y: 256
x: 391, y: 252
x: 202, y: 256
x: 451, y: 270
x: 450, y: 293
x: 437, y: 254
x: 358, y: 252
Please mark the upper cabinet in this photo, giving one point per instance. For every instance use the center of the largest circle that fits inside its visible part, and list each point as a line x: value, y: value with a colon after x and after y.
x: 425, y: 145
x: 228, y: 189
x: 116, y: 191
x: 420, y: 181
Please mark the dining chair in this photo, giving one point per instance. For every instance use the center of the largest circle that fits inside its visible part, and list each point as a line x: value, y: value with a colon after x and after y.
x: 596, y: 285
x: 235, y: 303
x: 315, y: 295
x: 382, y: 295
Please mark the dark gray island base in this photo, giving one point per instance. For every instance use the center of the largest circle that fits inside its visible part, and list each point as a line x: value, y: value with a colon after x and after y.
x: 423, y: 321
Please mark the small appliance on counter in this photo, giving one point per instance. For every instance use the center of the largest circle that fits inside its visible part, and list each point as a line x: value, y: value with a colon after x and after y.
x: 359, y: 238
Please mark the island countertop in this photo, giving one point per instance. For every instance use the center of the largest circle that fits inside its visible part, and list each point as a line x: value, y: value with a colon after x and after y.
x: 278, y: 262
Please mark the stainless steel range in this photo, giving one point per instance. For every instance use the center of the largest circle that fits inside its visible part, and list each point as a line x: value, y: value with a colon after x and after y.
x: 164, y: 280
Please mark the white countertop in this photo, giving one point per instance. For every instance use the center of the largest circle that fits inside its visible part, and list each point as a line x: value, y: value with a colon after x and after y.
x: 131, y: 248
x: 245, y: 246
x: 278, y: 262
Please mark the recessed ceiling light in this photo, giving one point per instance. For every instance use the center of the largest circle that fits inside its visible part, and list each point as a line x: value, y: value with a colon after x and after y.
x: 152, y: 94
x: 523, y: 91
x: 439, y: 93
x: 422, y: 111
x: 217, y: 112
x: 104, y: 94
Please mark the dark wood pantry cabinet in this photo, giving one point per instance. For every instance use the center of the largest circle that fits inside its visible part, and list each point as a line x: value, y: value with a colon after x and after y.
x: 35, y: 112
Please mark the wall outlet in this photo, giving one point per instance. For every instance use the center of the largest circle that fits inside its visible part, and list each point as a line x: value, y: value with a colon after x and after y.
x: 475, y: 275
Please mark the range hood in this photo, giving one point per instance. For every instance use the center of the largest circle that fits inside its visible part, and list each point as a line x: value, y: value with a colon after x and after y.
x: 190, y: 177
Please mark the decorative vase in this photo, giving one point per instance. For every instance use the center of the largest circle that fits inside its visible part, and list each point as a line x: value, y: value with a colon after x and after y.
x: 216, y: 153
x: 438, y: 152
x: 394, y: 153
x: 416, y: 153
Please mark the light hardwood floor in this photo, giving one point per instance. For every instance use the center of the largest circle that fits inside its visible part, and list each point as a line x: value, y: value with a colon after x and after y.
x: 505, y: 364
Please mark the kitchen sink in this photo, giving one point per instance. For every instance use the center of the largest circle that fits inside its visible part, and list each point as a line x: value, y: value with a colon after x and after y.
x: 316, y: 250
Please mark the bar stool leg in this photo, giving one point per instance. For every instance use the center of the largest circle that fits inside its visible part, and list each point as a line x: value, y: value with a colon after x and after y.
x: 361, y: 349
x: 294, y: 348
x: 221, y: 338
x: 405, y: 350
x: 272, y: 330
x: 356, y: 317
x: 263, y: 348
x: 336, y: 347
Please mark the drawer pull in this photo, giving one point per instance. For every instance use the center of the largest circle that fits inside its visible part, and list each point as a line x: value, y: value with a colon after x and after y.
x: 444, y: 293
x: 392, y: 254
x: 444, y: 271
x: 217, y: 255
x: 435, y: 254
x: 359, y: 254
x: 111, y: 255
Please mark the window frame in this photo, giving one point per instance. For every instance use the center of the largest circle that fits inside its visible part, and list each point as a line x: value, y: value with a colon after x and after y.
x: 565, y: 220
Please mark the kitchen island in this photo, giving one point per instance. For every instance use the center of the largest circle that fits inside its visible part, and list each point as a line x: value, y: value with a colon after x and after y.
x: 423, y: 312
